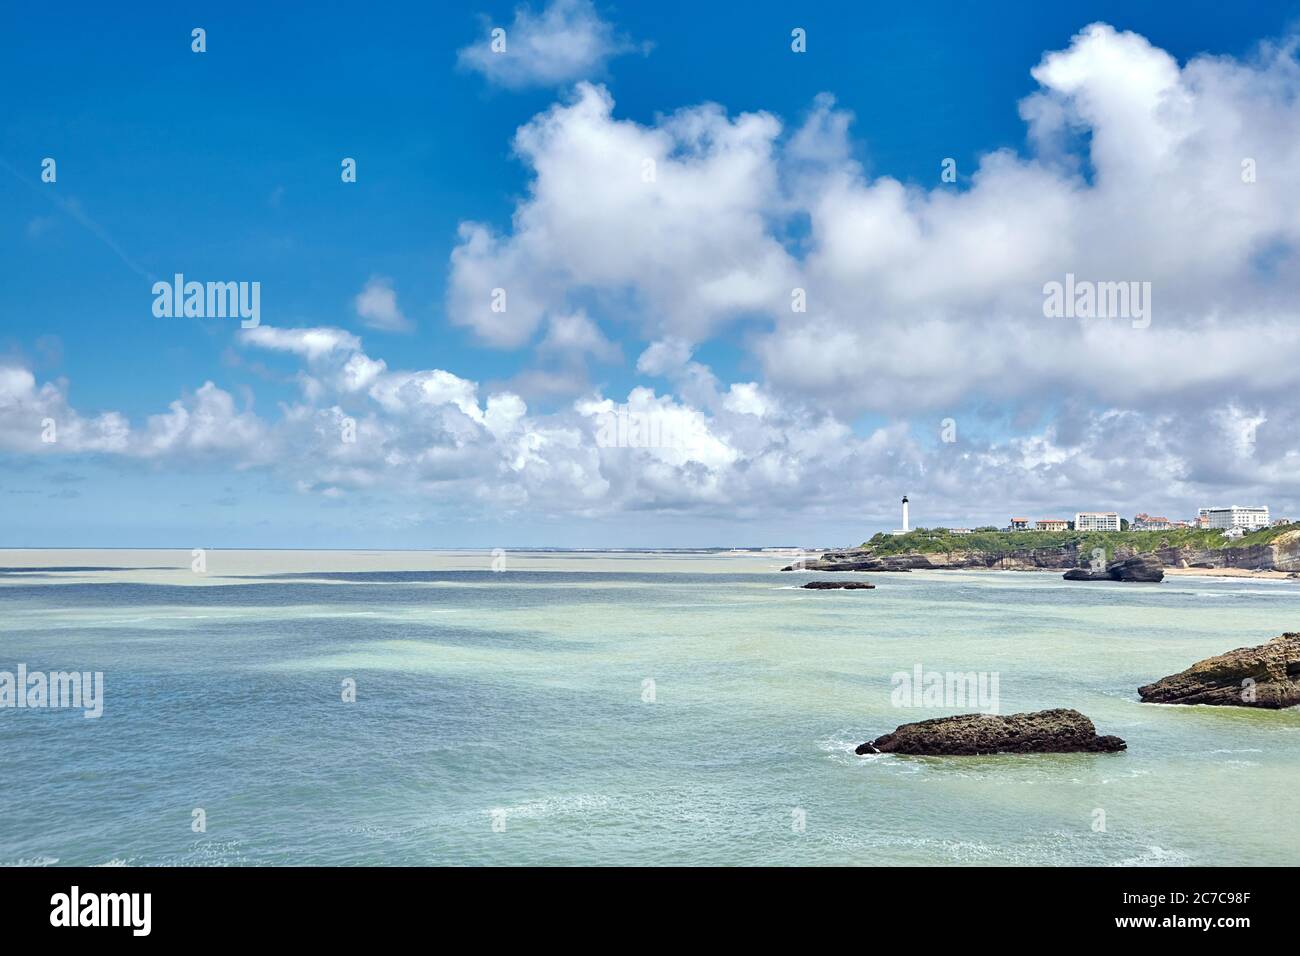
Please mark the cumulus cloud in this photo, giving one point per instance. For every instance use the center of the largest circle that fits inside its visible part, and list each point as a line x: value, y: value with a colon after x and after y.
x: 676, y: 212
x: 664, y: 356
x: 566, y: 41
x: 922, y: 301
x: 924, y: 296
x: 741, y: 451
x: 376, y: 304
x: 576, y: 335
x: 207, y: 423
x: 954, y: 280
x: 39, y: 418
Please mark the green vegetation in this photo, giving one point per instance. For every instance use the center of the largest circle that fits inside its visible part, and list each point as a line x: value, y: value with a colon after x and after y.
x: 937, y: 540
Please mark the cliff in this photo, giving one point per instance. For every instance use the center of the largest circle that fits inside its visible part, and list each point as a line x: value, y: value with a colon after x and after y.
x: 1274, y: 549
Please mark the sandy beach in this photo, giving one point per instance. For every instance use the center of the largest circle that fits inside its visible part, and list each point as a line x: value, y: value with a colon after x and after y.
x: 1230, y: 573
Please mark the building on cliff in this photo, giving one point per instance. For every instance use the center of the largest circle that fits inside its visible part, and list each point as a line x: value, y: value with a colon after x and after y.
x: 1146, y: 522
x: 1225, y: 519
x: 1097, y: 521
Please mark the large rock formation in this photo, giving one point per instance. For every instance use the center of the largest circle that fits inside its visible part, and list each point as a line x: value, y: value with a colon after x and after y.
x: 865, y: 559
x: 1139, y: 567
x: 1281, y: 554
x: 1263, y: 676
x: 1044, y: 731
x: 838, y: 586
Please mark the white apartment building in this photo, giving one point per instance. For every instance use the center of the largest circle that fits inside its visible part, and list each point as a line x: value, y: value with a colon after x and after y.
x: 1247, y: 519
x: 1096, y: 521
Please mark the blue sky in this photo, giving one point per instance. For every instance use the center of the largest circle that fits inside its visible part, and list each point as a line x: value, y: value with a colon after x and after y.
x: 224, y: 165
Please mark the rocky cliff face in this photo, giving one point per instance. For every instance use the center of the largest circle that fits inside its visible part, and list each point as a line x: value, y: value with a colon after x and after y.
x: 865, y: 559
x: 1263, y: 676
x: 1282, y: 554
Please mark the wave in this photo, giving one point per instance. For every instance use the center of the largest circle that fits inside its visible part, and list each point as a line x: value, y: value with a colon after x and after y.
x: 553, y: 806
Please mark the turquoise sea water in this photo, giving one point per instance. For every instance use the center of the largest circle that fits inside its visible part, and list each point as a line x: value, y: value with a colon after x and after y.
x: 502, y: 718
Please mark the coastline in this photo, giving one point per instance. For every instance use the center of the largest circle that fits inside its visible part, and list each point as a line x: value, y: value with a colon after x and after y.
x: 1178, y: 572
x: 1229, y: 573
x: 1169, y: 572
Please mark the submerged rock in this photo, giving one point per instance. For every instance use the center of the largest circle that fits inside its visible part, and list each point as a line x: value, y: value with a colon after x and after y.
x: 1264, y: 676
x: 838, y: 585
x: 1044, y: 731
x: 1139, y: 567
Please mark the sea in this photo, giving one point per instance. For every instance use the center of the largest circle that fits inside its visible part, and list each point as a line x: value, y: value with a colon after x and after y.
x: 617, y: 708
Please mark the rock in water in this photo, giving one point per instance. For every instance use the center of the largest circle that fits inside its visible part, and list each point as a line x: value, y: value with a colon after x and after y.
x: 838, y: 585
x: 1044, y: 731
x: 1263, y: 676
x: 1083, y: 574
x: 1140, y: 567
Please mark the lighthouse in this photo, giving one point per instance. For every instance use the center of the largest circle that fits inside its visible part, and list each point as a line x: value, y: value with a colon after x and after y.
x: 904, y: 514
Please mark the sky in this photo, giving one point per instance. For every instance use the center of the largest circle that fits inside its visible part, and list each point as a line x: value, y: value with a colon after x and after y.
x: 648, y: 276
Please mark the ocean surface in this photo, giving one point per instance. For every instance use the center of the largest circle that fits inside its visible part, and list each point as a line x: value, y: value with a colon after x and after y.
x: 616, y: 708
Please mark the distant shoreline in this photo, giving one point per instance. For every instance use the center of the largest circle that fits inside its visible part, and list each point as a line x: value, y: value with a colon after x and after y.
x: 1179, y: 572
x: 1228, y: 573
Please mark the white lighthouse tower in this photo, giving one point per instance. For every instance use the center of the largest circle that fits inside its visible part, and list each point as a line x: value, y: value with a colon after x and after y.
x: 904, y: 514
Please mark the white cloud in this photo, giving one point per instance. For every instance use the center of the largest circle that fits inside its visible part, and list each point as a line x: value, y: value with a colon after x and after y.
x: 29, y: 415
x: 664, y: 357
x: 939, y: 293
x: 566, y: 41
x: 677, y: 212
x: 575, y: 335
x: 749, y: 453
x: 207, y: 423
x: 311, y: 344
x: 921, y: 297
x: 376, y: 304
x: 922, y: 302
x: 747, y: 398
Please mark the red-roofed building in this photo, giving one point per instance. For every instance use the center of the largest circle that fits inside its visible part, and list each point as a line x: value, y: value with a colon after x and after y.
x: 1146, y: 522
